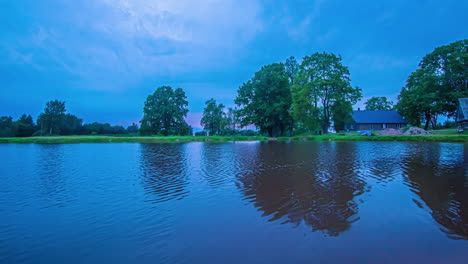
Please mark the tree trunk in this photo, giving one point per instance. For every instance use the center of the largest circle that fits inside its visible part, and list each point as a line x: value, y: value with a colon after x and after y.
x: 428, y: 120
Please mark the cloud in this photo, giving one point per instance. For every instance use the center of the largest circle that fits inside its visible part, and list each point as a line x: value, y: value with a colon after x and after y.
x: 128, y: 41
x: 299, y: 30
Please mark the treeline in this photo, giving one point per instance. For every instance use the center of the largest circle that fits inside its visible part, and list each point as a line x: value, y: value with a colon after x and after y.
x: 56, y: 121
x: 281, y: 99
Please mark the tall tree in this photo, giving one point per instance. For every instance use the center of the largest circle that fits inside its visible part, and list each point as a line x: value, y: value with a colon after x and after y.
x: 265, y: 101
x: 291, y: 68
x: 322, y: 90
x: 213, y: 119
x: 52, y: 119
x: 165, y: 111
x: 232, y: 120
x: 434, y: 88
x: 25, y: 126
x: 378, y: 103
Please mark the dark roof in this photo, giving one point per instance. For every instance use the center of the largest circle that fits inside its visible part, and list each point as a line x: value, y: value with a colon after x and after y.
x: 378, y: 117
x: 462, y: 112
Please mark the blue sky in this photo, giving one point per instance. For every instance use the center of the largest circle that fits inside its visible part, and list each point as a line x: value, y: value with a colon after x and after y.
x: 103, y: 57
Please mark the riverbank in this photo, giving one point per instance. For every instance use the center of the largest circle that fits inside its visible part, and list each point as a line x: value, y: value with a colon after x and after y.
x: 175, y: 139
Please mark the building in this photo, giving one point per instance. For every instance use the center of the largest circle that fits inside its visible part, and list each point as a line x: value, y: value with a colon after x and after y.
x: 375, y: 120
x: 462, y: 113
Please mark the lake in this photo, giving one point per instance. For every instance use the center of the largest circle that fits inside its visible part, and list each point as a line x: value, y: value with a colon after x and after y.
x: 234, y: 202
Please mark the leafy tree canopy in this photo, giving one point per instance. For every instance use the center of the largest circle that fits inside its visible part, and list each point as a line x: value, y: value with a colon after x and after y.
x: 265, y: 101
x: 213, y: 119
x: 52, y: 118
x: 378, y: 103
x: 322, y: 92
x: 25, y: 126
x: 434, y: 88
x: 165, y: 111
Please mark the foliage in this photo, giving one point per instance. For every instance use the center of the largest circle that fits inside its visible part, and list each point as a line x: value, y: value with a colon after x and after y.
x: 213, y: 119
x: 71, y: 125
x: 265, y: 101
x: 322, y: 92
x: 341, y: 114
x: 51, y: 120
x: 378, y: 103
x: 133, y: 129
x: 200, y: 133
x: 96, y: 128
x: 291, y: 68
x: 25, y: 126
x: 247, y: 132
x: 434, y: 88
x: 231, y: 121
x: 7, y: 127
x: 164, y: 112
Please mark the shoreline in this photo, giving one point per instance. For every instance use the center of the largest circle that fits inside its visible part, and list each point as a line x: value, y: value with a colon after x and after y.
x: 184, y: 139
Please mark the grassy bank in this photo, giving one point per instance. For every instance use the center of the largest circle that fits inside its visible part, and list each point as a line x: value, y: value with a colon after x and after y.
x: 442, y: 137
x: 125, y: 139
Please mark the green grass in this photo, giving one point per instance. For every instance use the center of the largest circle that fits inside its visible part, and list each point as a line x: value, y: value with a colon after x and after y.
x: 448, y: 132
x: 125, y: 139
x: 444, y: 136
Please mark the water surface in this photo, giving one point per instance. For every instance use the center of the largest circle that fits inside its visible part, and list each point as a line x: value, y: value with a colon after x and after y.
x: 242, y: 202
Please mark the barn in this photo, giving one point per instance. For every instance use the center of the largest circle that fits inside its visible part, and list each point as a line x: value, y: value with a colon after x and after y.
x: 375, y: 120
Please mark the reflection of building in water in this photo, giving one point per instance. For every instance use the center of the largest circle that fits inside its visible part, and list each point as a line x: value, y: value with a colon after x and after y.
x: 311, y: 183
x: 164, y: 168
x: 438, y: 174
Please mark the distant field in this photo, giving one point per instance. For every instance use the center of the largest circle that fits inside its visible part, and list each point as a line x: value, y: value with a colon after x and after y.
x: 438, y: 136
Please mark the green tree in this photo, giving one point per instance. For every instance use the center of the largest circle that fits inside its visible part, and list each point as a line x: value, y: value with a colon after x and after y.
x: 165, y: 111
x: 96, y: 128
x: 52, y: 119
x: 133, y: 129
x: 25, y: 126
x: 232, y: 120
x: 434, y: 88
x: 71, y: 125
x: 448, y: 65
x: 378, y: 103
x: 341, y: 116
x: 213, y: 119
x: 265, y: 101
x: 291, y: 68
x: 7, y: 127
x: 322, y: 91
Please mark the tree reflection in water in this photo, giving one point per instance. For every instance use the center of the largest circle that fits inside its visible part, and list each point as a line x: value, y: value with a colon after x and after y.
x: 311, y: 183
x: 53, y: 174
x: 438, y: 174
x: 164, y: 170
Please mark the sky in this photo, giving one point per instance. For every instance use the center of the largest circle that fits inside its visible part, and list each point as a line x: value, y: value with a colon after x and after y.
x: 104, y: 57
